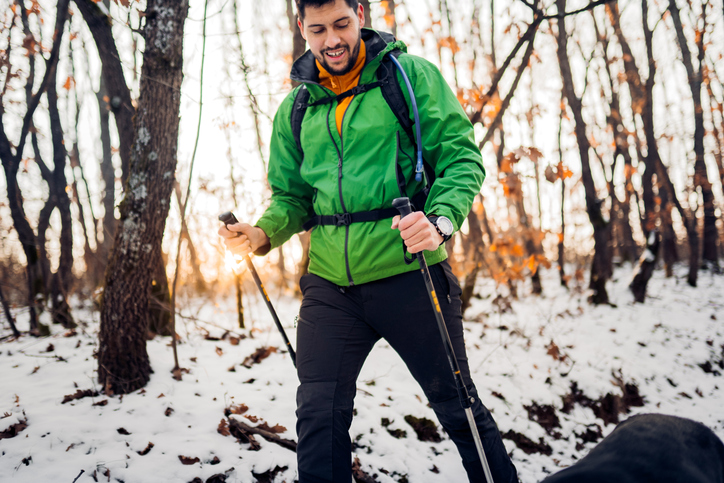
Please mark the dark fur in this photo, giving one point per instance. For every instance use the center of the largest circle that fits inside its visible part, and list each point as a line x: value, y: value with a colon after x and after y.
x: 651, y: 448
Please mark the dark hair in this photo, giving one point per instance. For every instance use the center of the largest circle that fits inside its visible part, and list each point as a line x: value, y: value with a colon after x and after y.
x: 302, y: 4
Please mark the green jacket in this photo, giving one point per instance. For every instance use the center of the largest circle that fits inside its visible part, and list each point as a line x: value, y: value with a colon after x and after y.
x: 357, y: 170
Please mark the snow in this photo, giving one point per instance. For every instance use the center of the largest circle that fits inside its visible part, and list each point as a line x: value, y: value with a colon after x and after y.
x: 529, y: 354
x: 8, y: 420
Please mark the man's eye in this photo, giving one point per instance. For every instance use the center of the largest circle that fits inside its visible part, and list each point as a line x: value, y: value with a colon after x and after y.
x: 343, y: 26
x: 317, y: 32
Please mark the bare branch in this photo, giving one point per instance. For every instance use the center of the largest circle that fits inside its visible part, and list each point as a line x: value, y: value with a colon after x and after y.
x: 590, y: 6
x: 499, y: 117
x: 49, y: 73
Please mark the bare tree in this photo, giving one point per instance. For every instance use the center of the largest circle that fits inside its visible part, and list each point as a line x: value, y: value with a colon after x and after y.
x: 11, y: 162
x: 701, y: 178
x: 643, y: 106
x: 601, y: 268
x: 123, y: 364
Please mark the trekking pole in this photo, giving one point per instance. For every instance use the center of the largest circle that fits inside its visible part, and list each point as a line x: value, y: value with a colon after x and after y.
x: 228, y: 218
x: 405, y: 208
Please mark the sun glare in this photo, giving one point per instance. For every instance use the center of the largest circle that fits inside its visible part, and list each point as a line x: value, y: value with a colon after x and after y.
x: 234, y: 263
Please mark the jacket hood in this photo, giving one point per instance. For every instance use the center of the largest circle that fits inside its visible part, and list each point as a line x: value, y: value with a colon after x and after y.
x: 305, y: 68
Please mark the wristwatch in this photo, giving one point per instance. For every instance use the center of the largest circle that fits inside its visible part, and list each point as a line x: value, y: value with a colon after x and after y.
x: 443, y: 225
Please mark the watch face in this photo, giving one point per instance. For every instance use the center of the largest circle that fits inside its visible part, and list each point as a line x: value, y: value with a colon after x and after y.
x: 445, y: 225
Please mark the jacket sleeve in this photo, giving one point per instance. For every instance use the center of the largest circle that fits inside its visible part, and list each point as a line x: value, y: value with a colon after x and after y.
x: 448, y: 142
x: 291, y: 199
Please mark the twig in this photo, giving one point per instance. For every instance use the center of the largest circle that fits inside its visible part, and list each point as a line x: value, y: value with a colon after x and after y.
x: 499, y: 116
x: 268, y: 435
x: 79, y: 474
x: 188, y: 194
x: 590, y: 6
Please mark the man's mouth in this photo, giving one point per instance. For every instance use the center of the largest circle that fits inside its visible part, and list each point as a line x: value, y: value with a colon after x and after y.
x: 335, y: 54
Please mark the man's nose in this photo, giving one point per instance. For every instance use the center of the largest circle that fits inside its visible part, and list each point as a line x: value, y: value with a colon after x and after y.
x: 333, y: 39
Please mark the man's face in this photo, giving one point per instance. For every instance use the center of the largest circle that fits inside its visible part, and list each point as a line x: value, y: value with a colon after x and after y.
x: 333, y: 33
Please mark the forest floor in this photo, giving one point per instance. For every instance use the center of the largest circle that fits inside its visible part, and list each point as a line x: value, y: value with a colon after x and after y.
x: 556, y: 372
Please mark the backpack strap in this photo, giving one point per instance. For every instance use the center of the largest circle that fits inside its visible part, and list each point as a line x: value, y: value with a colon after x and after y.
x: 344, y: 219
x: 358, y: 89
x: 392, y: 92
x: 301, y: 102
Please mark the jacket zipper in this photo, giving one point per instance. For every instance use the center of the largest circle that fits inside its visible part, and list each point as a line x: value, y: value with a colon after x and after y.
x: 339, y: 182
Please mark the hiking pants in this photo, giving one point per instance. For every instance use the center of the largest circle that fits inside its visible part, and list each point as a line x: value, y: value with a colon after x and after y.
x: 337, y: 328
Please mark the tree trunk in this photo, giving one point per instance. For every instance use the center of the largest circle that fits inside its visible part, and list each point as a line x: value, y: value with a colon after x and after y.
x: 123, y: 364
x: 645, y: 267
x: 601, y: 267
x: 159, y: 314
x: 298, y: 42
x: 390, y: 19
x: 368, y: 16
x: 115, y: 82
x: 63, y: 279
x: 239, y: 302
x: 8, y: 315
x: 710, y: 252
x: 620, y: 210
x: 668, y: 237
x: 89, y: 256
x: 11, y: 164
x: 109, y: 178
x: 642, y: 104
x: 199, y: 282
x: 475, y: 237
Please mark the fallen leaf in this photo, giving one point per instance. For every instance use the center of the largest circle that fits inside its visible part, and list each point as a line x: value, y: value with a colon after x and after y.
x: 223, y: 428
x: 187, y: 460
x: 146, y: 450
x: 238, y: 409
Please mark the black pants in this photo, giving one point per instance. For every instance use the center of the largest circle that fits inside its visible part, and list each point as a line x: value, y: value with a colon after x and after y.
x: 336, y: 330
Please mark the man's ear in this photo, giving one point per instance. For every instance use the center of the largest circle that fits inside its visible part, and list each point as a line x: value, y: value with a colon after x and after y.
x: 301, y: 28
x: 361, y: 15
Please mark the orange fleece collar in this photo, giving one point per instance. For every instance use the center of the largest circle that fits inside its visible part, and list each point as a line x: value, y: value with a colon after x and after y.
x: 339, y: 84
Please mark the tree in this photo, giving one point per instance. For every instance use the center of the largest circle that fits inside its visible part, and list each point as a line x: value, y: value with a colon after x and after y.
x: 601, y: 268
x: 701, y: 178
x: 123, y: 364
x: 11, y: 161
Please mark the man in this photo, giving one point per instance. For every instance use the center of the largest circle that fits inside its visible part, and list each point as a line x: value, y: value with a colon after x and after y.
x: 355, y: 157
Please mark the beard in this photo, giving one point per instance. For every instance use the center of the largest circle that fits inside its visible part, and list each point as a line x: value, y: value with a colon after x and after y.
x: 352, y: 58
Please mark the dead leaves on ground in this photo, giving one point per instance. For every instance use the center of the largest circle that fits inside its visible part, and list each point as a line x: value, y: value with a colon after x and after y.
x: 80, y: 394
x: 147, y: 449
x: 14, y: 429
x: 187, y: 460
x: 425, y: 429
x: 259, y: 355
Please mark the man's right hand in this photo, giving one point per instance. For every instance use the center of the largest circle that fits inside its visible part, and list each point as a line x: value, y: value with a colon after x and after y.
x: 242, y: 238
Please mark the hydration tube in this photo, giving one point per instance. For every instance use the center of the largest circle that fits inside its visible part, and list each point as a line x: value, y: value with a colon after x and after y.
x: 419, y: 169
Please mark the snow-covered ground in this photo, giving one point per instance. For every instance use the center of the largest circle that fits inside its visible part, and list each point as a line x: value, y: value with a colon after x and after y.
x: 554, y: 370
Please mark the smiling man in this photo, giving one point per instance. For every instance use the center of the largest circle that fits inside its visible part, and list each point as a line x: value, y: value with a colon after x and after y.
x: 342, y: 149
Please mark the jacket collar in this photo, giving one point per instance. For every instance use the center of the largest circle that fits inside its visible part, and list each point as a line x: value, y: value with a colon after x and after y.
x: 377, y: 44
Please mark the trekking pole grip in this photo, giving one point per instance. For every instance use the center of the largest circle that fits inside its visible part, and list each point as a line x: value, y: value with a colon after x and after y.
x: 403, y: 206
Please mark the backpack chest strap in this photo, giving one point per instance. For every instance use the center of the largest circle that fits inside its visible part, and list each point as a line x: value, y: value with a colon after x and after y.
x: 345, y: 219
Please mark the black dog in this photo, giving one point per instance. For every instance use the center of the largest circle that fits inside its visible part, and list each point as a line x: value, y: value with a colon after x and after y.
x: 651, y: 448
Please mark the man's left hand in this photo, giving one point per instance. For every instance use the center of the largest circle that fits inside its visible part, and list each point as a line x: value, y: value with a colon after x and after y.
x: 417, y: 231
